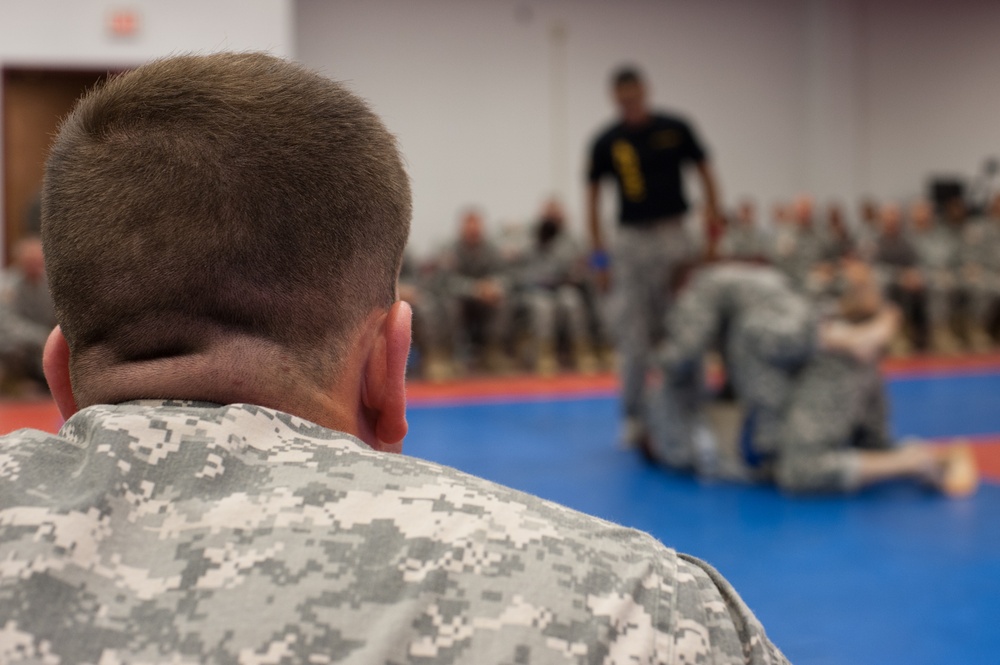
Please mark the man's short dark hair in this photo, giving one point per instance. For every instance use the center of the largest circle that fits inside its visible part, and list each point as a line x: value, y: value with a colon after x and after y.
x: 232, y: 194
x: 625, y: 75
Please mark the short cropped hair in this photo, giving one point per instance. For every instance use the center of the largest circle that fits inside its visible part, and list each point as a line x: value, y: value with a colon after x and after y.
x: 228, y: 194
x: 625, y: 75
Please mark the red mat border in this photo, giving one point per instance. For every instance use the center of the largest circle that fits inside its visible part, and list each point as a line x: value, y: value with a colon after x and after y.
x: 519, y: 388
x: 42, y: 414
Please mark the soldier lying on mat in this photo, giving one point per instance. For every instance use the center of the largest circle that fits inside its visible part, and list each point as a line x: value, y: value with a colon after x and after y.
x: 812, y: 402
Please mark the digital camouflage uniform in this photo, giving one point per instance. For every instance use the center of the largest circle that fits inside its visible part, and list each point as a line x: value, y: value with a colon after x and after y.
x: 805, y: 408
x: 838, y: 406
x: 178, y: 532
x: 464, y: 266
x: 27, y: 316
x: 895, y: 259
x: 865, y: 235
x: 432, y: 329
x: 939, y: 253
x: 981, y: 268
x: 796, y: 250
x: 645, y: 264
x: 551, y: 281
x: 21, y: 344
x: 837, y: 243
x: 744, y: 242
x: 31, y: 300
x: 765, y: 328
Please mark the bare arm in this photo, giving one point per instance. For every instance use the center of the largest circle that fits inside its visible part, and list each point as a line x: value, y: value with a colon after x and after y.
x: 709, y: 190
x: 603, y: 281
x: 594, y: 216
x: 866, y: 341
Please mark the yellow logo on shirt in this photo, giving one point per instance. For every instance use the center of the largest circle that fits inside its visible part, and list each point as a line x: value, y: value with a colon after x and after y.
x: 626, y: 161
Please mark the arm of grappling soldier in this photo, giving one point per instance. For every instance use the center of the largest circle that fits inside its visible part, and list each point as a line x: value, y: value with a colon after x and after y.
x: 709, y: 191
x: 602, y: 277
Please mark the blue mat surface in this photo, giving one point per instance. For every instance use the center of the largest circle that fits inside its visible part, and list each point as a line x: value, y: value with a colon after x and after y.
x: 892, y: 575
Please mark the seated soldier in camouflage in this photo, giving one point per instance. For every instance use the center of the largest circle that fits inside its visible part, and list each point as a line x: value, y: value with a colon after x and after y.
x: 552, y: 290
x: 800, y: 246
x: 980, y: 259
x: 419, y: 286
x: 26, y: 317
x: 26, y: 287
x: 21, y: 344
x: 898, y: 267
x: 477, y: 282
x: 835, y: 434
x: 814, y: 409
x: 938, y: 248
x: 223, y: 236
x: 744, y: 239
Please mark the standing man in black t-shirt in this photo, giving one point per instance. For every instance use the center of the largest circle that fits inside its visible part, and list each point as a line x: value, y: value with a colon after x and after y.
x: 646, y: 153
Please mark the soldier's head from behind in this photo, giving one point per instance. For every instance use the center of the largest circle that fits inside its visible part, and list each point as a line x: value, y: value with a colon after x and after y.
x: 29, y: 259
x: 890, y: 218
x: 629, y: 89
x: 229, y: 228
x: 835, y: 220
x: 955, y: 211
x: 471, y: 231
x: 553, y: 210
x: 802, y: 211
x: 857, y: 283
x: 868, y: 212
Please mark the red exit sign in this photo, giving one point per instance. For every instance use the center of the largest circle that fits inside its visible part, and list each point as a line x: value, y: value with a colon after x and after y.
x: 123, y: 23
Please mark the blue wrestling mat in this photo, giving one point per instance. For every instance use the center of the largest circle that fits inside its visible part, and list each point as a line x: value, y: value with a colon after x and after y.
x: 892, y: 575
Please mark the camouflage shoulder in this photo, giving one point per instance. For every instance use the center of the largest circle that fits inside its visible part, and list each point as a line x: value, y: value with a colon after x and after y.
x: 710, y: 607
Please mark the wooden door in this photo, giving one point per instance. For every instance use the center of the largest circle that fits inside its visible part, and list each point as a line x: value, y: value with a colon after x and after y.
x: 34, y: 102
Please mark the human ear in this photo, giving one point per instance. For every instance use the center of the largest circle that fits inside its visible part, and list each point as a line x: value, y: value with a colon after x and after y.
x: 385, y: 378
x: 55, y: 363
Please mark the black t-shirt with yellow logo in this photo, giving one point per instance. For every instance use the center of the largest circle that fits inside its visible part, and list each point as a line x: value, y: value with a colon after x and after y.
x: 646, y: 162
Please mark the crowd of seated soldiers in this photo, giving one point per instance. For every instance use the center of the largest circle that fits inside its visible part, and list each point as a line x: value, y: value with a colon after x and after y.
x: 525, y: 300
x: 522, y: 301
x: 26, y: 318
x: 939, y: 263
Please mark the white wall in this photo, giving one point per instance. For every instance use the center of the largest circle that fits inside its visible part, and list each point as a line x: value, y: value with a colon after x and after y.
x: 832, y: 108
x: 494, y: 101
x: 57, y: 33
x: 930, y: 92
x: 75, y: 34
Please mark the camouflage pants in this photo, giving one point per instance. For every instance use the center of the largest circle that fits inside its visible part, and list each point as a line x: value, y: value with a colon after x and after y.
x: 765, y: 340
x: 21, y: 344
x: 680, y: 434
x: 550, y: 309
x: 838, y: 406
x: 943, y: 294
x: 765, y: 346
x: 432, y: 322
x: 483, y: 325
x: 646, y: 261
x: 984, y: 296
